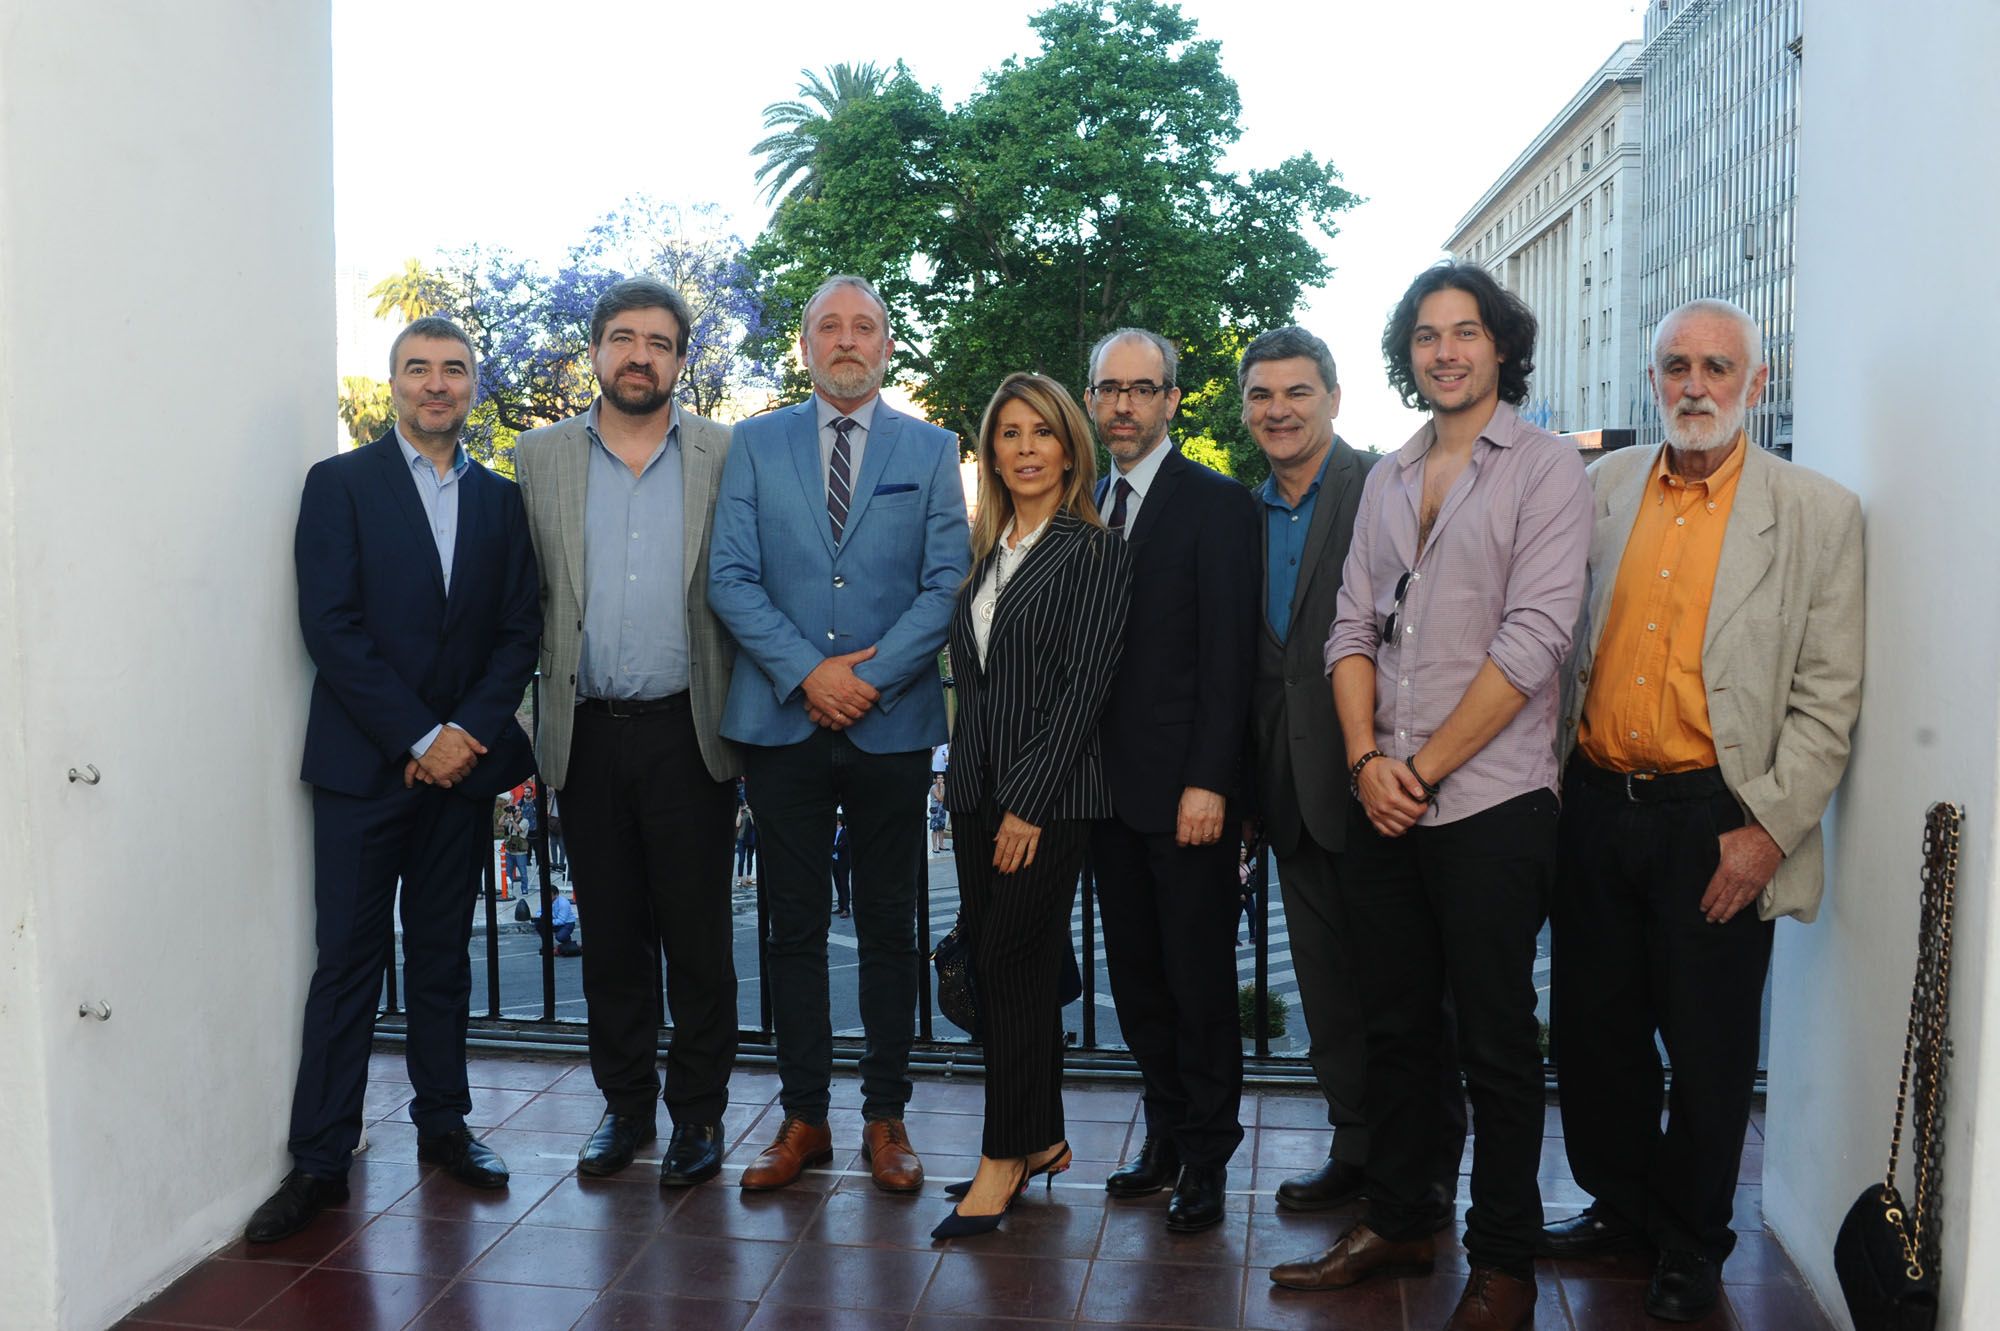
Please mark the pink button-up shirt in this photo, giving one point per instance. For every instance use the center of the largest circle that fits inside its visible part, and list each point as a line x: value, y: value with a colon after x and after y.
x: 1501, y: 580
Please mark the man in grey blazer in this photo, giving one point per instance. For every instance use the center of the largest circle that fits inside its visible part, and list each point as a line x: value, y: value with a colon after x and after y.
x: 635, y: 667
x: 1716, y: 679
x: 1291, y: 397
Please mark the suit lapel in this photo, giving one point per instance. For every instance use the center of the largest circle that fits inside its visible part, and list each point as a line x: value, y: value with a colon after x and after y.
x: 571, y: 461
x: 1746, y: 543
x: 1157, y: 494
x: 472, y: 498
x: 1333, y: 485
x: 803, y: 434
x: 1042, y: 563
x: 1607, y: 542
x: 402, y: 488
x: 883, y: 433
x: 697, y: 469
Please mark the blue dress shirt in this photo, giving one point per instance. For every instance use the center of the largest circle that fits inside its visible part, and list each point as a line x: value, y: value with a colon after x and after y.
x: 634, y: 573
x: 439, y: 496
x: 1285, y: 528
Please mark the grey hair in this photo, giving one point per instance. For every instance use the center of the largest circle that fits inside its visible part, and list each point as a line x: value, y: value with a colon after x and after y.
x: 437, y: 326
x: 1288, y: 343
x: 861, y: 284
x: 1753, y: 336
x: 1170, y: 358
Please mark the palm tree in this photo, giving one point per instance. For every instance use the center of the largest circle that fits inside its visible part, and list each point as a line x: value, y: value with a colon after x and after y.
x: 788, y: 171
x: 413, y: 293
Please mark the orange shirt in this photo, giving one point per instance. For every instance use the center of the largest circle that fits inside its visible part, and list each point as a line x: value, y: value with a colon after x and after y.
x: 1646, y: 710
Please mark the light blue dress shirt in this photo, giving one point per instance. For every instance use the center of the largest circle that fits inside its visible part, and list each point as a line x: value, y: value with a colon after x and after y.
x: 1285, y: 528
x: 634, y: 573
x: 439, y: 496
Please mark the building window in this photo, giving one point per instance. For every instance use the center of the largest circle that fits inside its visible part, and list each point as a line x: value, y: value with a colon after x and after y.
x: 1607, y: 200
x: 1583, y: 216
x: 1586, y: 332
x: 1607, y: 140
x: 1586, y: 156
x: 1583, y: 407
x: 1586, y: 275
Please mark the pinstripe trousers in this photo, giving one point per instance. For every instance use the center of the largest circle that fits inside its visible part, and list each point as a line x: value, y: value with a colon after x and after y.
x: 1018, y: 927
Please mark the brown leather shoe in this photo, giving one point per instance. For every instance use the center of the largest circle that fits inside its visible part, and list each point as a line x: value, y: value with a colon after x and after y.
x: 886, y: 1145
x: 1361, y: 1253
x: 1493, y: 1301
x: 798, y: 1145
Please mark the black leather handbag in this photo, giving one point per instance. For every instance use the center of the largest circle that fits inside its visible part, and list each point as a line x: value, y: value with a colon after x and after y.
x: 1886, y: 1253
x: 958, y: 990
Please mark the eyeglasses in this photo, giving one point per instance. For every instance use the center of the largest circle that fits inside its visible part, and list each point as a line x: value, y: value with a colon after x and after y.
x: 1141, y: 392
x: 1389, y: 624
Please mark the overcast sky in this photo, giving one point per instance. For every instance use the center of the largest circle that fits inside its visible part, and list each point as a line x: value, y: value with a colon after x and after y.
x: 517, y: 124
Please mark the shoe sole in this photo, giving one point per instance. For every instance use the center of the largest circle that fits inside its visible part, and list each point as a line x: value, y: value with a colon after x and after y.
x: 605, y: 1169
x: 918, y: 1186
x: 817, y: 1158
x: 690, y: 1180
x: 1194, y: 1227
x: 1401, y: 1271
x: 1127, y: 1191
x: 1287, y: 1204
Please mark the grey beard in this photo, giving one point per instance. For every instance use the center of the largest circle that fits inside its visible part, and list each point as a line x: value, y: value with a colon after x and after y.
x: 847, y: 382
x: 1728, y: 424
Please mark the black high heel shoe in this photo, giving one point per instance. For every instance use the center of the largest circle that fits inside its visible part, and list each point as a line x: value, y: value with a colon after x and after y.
x: 1055, y: 1165
x: 958, y: 1225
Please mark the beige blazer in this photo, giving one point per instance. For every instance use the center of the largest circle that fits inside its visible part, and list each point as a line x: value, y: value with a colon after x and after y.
x: 1781, y: 658
x: 552, y: 467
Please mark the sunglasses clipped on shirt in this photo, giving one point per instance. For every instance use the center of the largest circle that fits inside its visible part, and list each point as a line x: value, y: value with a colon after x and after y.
x: 1389, y: 624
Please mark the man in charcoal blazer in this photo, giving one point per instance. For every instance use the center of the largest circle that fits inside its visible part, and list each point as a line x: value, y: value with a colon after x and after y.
x: 634, y: 669
x: 1174, y: 734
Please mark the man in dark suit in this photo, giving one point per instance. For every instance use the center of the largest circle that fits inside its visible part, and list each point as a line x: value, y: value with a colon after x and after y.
x: 1174, y: 732
x: 418, y: 601
x: 1291, y: 396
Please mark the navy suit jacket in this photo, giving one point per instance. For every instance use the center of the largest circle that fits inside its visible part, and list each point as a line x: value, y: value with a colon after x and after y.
x: 395, y: 655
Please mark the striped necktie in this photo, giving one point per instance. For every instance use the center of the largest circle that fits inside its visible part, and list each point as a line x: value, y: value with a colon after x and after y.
x: 840, y: 477
x: 1121, y: 491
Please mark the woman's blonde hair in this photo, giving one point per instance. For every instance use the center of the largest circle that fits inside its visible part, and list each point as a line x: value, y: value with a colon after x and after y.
x: 1052, y: 402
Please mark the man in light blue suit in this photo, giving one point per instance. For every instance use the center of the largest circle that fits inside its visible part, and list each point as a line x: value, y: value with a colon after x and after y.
x: 840, y: 541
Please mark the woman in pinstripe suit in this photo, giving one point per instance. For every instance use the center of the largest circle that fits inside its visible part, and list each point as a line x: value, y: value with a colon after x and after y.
x: 1034, y: 642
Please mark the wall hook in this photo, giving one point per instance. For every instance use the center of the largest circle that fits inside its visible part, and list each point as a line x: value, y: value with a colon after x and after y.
x: 99, y: 1010
x: 90, y: 776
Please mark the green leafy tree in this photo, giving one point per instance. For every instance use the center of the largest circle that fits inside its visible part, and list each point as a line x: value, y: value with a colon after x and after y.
x: 790, y: 154
x: 1082, y: 189
x: 413, y: 294
x: 365, y: 407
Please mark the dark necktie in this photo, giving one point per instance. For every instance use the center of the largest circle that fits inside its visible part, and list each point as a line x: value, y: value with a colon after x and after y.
x: 840, y: 477
x: 1120, y: 492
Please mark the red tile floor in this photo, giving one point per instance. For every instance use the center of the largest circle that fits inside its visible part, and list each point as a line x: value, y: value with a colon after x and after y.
x: 554, y: 1251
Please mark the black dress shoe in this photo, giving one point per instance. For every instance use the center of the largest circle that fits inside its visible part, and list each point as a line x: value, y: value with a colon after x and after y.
x: 1685, y: 1287
x: 1595, y: 1233
x: 291, y: 1208
x: 465, y: 1158
x: 611, y: 1146
x: 1334, y: 1183
x: 1158, y: 1165
x: 694, y: 1155
x: 1197, y: 1200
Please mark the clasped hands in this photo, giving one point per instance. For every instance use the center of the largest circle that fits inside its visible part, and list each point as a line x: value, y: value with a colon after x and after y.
x: 836, y: 697
x: 448, y: 761
x: 1391, y: 795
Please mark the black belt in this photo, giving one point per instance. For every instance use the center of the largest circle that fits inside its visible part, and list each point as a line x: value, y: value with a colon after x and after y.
x: 624, y: 707
x: 1648, y: 787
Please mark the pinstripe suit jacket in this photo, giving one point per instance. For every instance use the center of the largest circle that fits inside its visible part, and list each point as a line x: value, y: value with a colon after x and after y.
x: 1027, y: 720
x: 552, y: 467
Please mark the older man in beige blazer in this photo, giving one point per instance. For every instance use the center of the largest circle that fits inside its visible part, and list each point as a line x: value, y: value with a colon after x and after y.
x: 1716, y: 680
x: 634, y: 671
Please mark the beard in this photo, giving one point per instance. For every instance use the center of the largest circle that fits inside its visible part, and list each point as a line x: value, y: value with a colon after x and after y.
x: 847, y: 379
x: 640, y: 397
x: 1705, y: 432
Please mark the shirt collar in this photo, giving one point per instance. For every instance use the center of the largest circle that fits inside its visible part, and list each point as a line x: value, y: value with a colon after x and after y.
x: 1276, y: 500
x: 414, y: 459
x: 1665, y: 478
x: 1140, y: 478
x: 1500, y: 432
x: 863, y: 415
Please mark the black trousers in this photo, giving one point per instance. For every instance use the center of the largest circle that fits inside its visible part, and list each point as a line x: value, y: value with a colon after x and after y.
x: 1017, y: 925
x: 1634, y: 956
x: 433, y: 840
x: 1336, y: 1025
x: 650, y: 833
x: 1453, y: 909
x: 1169, y: 944
x: 795, y: 789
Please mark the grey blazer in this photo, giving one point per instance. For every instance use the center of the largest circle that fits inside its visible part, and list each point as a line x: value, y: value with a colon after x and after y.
x: 1301, y: 761
x: 552, y: 467
x: 1781, y: 657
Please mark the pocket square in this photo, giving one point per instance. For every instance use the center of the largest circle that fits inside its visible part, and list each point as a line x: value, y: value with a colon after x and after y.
x: 895, y: 489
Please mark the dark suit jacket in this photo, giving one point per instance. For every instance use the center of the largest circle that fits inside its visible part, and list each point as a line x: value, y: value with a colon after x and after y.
x: 1301, y: 761
x: 396, y: 656
x: 1180, y: 704
x: 1027, y: 720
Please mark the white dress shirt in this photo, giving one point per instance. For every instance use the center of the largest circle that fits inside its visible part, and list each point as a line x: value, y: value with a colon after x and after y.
x: 986, y: 602
x: 1140, y: 478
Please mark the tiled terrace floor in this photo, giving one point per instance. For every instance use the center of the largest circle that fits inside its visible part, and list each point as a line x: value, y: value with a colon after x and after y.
x: 557, y: 1251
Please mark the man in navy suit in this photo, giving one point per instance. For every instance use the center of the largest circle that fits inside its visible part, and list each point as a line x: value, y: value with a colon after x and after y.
x: 419, y: 604
x: 1174, y: 730
x: 840, y: 542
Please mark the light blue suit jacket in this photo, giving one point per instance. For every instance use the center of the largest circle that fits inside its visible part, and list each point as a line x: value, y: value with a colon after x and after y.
x: 791, y: 597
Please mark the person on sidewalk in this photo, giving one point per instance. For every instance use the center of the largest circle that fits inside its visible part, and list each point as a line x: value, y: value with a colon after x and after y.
x: 418, y: 603
x: 619, y: 501
x: 1457, y: 602
x: 840, y: 539
x: 1715, y: 689
x: 843, y: 866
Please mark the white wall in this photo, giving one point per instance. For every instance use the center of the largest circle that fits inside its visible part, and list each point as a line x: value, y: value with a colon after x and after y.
x: 166, y: 340
x: 1893, y: 347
